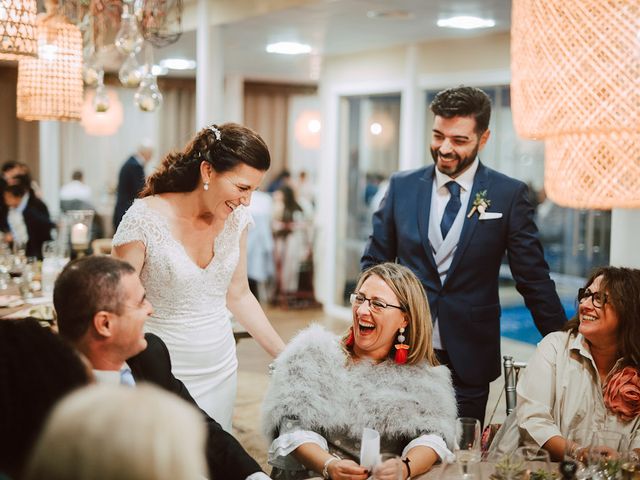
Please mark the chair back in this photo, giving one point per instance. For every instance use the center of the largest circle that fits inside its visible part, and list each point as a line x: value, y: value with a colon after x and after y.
x: 511, y: 374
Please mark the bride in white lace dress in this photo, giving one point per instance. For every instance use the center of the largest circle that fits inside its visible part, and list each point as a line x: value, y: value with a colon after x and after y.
x: 186, y: 237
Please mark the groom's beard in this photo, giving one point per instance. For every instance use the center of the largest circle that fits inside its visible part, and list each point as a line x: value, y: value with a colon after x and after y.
x: 454, y: 169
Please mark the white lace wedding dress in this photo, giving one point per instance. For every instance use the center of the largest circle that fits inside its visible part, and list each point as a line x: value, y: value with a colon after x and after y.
x: 189, y: 304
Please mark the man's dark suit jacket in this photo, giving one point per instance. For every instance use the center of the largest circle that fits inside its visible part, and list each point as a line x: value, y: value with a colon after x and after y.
x: 225, y: 456
x: 467, y: 305
x: 130, y: 182
x: 38, y: 223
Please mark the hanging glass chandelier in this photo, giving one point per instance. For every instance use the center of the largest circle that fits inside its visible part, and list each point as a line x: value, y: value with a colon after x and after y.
x: 140, y: 24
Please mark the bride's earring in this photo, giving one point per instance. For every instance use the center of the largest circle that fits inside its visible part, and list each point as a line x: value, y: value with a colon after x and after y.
x: 206, y: 186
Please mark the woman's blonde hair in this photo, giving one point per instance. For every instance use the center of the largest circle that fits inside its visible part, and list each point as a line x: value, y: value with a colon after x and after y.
x: 114, y: 432
x: 413, y: 299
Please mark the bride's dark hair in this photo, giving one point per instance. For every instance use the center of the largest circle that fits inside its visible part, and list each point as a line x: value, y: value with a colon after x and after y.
x: 224, y: 147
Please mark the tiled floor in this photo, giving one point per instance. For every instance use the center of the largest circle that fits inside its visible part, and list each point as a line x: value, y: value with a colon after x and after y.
x: 253, y: 378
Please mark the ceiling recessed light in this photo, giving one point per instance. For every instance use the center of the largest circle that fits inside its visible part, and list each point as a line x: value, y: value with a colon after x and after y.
x: 288, y: 48
x: 466, y: 22
x: 178, y: 64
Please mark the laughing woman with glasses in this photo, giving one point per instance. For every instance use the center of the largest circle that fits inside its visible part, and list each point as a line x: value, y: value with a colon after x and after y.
x: 381, y: 374
x: 585, y: 378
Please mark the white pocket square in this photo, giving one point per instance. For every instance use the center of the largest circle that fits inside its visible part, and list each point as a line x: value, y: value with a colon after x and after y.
x: 490, y: 216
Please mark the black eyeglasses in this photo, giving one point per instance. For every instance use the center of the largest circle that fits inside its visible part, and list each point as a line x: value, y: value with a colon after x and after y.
x: 598, y: 298
x: 375, y: 305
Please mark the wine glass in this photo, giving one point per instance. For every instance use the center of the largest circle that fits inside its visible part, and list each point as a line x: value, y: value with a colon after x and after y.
x: 535, y: 462
x: 467, y: 445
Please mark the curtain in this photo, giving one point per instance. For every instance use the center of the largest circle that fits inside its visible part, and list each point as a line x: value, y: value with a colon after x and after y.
x: 266, y: 110
x: 178, y: 119
x: 19, y: 139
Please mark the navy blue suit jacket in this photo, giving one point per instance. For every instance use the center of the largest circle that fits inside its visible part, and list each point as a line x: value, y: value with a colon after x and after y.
x: 130, y: 182
x: 467, y: 305
x: 225, y: 456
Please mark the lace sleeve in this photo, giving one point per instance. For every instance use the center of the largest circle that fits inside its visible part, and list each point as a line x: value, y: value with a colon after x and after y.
x: 243, y: 218
x: 131, y: 228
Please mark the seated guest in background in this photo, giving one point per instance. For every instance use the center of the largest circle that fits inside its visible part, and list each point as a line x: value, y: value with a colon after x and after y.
x: 586, y: 377
x: 37, y: 368
x: 16, y: 172
x: 382, y: 374
x: 102, y: 307
x: 76, y: 189
x: 27, y: 217
x: 114, y: 433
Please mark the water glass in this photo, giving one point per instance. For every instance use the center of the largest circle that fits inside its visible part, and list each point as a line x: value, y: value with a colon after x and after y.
x: 577, y: 446
x: 606, y: 451
x: 535, y: 462
x: 467, y: 445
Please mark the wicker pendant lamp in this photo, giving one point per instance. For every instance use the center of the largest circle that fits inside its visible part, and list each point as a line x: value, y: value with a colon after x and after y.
x: 575, y: 68
x: 50, y: 87
x: 17, y: 29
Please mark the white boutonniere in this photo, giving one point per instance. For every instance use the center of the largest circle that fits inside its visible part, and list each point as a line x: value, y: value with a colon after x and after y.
x: 480, y: 204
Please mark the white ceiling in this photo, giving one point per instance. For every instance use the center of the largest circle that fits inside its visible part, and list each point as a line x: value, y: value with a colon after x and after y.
x: 331, y: 27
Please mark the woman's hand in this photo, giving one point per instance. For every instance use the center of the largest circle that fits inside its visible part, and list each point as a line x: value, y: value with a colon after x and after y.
x: 389, y: 469
x: 347, y: 470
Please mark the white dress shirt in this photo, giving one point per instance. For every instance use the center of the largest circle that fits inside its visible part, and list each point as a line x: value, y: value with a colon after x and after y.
x: 440, y: 196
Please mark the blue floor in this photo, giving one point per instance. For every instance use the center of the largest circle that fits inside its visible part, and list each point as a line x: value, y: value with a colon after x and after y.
x: 516, y: 322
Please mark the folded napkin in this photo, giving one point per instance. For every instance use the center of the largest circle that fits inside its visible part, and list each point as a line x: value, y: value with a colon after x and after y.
x: 370, y: 448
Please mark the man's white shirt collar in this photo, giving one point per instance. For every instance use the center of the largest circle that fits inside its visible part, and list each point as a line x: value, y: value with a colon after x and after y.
x: 109, y: 377
x: 465, y: 180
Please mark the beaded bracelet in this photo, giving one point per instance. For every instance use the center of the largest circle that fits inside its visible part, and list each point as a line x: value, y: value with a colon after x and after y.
x: 325, y: 467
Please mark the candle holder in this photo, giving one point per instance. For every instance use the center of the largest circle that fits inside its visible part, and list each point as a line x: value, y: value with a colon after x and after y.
x: 80, y: 222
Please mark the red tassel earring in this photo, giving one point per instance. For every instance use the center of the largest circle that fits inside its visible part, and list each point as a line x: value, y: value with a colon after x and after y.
x: 402, y: 349
x: 350, y: 339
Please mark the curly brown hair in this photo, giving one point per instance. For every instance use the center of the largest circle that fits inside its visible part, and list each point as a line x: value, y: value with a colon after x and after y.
x: 622, y: 286
x: 180, y: 171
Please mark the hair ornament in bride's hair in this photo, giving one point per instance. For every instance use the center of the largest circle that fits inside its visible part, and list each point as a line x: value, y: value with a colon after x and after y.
x: 215, y: 131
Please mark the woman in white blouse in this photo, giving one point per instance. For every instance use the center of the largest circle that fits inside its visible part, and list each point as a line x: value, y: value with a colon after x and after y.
x: 382, y: 374
x: 586, y: 378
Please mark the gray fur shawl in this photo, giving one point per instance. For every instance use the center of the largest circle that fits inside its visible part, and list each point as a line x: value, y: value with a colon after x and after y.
x: 314, y: 382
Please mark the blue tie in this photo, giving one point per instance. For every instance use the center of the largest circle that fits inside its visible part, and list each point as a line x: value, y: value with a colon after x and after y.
x: 452, y: 208
x: 126, y: 377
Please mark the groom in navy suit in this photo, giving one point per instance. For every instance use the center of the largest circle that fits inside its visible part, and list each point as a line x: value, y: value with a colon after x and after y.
x: 451, y: 224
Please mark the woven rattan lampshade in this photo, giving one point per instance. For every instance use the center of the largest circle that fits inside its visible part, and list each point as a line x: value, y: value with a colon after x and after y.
x: 17, y: 29
x: 50, y: 87
x: 599, y: 171
x: 575, y: 67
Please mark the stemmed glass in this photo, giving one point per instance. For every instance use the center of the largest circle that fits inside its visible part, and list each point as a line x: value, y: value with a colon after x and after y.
x: 467, y: 445
x: 535, y: 462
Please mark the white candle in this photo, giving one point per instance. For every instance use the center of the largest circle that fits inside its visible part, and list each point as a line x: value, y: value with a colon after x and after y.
x: 79, y: 234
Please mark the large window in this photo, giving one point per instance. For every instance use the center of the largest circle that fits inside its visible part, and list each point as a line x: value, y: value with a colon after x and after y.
x: 369, y: 150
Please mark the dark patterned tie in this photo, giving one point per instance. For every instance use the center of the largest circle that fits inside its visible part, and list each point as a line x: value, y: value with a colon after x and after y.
x: 452, y: 208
